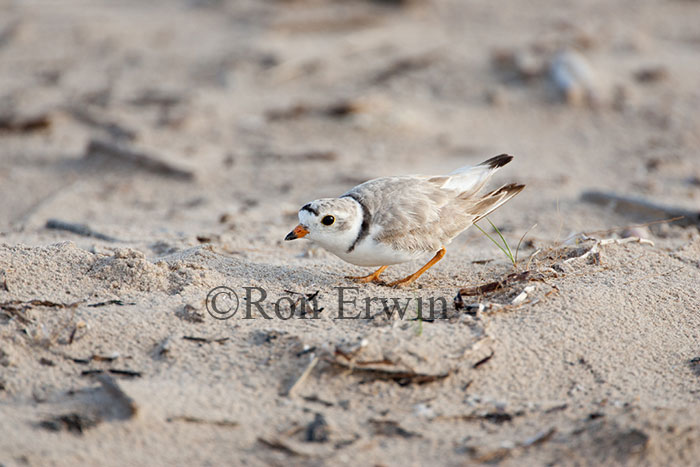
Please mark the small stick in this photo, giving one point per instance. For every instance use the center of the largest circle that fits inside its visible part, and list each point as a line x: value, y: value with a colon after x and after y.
x: 483, y: 360
x: 405, y: 65
x: 93, y: 120
x: 278, y: 445
x: 111, y: 302
x: 190, y: 419
x: 532, y: 256
x: 36, y: 302
x: 125, y: 153
x: 78, y: 229
x: 78, y: 325
x: 495, y: 285
x: 300, y: 380
x: 26, y: 124
x: 205, y: 340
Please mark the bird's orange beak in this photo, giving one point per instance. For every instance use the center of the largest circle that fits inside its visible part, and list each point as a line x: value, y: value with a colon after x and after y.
x: 298, y: 232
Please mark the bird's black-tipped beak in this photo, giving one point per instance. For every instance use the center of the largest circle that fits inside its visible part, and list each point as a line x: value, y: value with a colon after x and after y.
x: 298, y: 232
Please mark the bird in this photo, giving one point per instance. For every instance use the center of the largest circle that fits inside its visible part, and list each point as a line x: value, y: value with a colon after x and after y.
x: 393, y: 220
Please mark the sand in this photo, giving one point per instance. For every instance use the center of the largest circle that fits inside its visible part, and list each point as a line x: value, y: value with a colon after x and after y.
x: 151, y: 152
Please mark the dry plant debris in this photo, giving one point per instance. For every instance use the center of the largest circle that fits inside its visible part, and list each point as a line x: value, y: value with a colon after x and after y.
x: 399, y: 355
x: 113, y: 404
x: 121, y: 153
x: 201, y: 421
x: 78, y: 229
x: 24, y: 124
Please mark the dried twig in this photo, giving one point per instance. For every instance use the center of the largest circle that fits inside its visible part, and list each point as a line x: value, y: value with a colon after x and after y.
x: 79, y: 325
x: 158, y: 98
x: 484, y: 360
x: 110, y: 302
x: 279, y: 445
x: 197, y: 420
x: 296, y: 384
x: 114, y: 130
x: 339, y: 109
x: 121, y: 153
x: 493, y: 286
x: 497, y: 418
x: 539, y: 438
x: 311, y: 156
x: 114, y: 371
x: 400, y: 376
x: 25, y: 124
x: 404, y: 65
x: 206, y: 340
x: 78, y: 229
x: 16, y: 304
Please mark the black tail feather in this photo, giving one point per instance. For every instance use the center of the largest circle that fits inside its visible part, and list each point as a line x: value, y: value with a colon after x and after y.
x: 498, y: 161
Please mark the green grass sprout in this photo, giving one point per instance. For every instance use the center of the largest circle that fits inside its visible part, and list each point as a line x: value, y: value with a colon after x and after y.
x: 504, y: 248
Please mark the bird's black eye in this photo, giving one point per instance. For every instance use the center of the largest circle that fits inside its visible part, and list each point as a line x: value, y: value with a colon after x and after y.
x: 328, y: 220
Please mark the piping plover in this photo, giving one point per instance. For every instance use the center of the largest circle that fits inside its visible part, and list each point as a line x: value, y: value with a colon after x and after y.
x: 392, y: 220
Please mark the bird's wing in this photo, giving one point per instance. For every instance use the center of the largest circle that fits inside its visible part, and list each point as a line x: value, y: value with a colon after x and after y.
x: 402, y: 204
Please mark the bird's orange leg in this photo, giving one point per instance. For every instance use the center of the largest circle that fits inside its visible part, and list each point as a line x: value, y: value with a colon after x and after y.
x: 374, y: 277
x: 407, y: 280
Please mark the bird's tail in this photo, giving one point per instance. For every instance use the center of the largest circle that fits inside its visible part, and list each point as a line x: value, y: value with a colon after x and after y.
x: 492, y: 201
x: 469, y: 180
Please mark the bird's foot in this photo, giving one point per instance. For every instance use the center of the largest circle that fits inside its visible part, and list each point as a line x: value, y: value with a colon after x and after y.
x: 401, y: 283
x: 373, y: 278
x: 365, y: 279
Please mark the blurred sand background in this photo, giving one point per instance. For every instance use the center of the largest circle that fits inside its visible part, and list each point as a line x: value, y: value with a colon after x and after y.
x: 184, y: 135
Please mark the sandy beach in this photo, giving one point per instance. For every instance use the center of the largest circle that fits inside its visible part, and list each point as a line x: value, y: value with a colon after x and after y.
x: 152, y: 152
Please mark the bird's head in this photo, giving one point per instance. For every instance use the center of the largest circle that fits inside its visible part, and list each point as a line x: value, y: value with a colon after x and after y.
x: 331, y: 222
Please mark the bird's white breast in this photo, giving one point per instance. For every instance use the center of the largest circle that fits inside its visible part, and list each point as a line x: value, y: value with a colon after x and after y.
x: 369, y: 252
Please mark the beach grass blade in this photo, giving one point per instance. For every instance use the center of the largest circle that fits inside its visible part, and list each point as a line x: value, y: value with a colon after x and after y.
x: 504, y: 247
